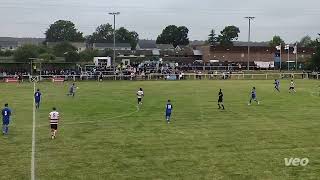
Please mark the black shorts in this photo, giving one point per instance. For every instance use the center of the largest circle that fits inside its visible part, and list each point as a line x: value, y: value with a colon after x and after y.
x: 139, y: 100
x: 291, y: 88
x: 220, y: 100
x: 54, y: 126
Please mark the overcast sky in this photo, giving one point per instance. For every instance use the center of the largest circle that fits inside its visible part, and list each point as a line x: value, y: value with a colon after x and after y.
x: 291, y: 19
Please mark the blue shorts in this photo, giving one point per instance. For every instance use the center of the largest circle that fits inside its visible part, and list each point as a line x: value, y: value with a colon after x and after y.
x: 5, y: 122
x: 168, y: 114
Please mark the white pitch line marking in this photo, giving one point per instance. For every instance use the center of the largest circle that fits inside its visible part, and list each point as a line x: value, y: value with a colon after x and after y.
x: 33, y: 137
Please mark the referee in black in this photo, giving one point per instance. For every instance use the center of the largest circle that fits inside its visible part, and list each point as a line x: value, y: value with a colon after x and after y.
x: 220, y: 100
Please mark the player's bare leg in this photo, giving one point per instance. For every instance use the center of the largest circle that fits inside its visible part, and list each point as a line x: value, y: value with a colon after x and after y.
x: 52, y: 134
x: 257, y: 101
x: 3, y: 129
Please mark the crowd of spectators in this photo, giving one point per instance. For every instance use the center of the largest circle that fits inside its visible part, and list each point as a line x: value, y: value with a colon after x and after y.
x: 156, y: 69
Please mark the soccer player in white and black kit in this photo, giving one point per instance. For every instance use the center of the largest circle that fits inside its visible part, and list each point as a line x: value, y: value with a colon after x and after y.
x: 292, y: 86
x: 100, y: 79
x: 220, y: 100
x: 140, y: 95
x: 54, y: 120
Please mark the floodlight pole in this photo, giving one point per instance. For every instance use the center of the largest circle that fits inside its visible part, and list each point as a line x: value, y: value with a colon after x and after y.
x: 31, y: 61
x: 249, y: 35
x: 114, y: 37
x: 289, y: 58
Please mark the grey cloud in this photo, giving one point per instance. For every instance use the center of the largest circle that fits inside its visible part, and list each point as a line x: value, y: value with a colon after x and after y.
x: 291, y: 19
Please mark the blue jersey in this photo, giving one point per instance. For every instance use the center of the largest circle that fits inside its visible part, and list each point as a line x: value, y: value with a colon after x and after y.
x: 37, y: 96
x: 6, y: 113
x: 169, y: 108
x: 253, y: 94
x: 72, y: 89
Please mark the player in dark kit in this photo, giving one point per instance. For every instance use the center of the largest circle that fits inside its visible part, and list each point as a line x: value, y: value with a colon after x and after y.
x: 277, y: 85
x: 220, y: 100
x: 253, y: 96
x: 20, y: 78
x: 72, y: 90
x: 6, y: 113
x: 37, y: 98
x: 169, y: 108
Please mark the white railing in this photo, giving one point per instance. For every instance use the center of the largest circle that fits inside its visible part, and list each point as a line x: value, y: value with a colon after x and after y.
x: 188, y: 76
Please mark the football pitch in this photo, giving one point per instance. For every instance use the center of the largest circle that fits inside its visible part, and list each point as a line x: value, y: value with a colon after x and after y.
x: 102, y: 134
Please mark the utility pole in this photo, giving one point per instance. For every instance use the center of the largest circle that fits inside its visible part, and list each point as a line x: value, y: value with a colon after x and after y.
x: 249, y: 35
x: 114, y: 14
x: 33, y: 62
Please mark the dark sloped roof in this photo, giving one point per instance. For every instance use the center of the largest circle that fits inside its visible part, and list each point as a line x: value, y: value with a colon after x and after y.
x: 8, y: 43
x: 110, y: 45
x: 135, y: 52
x: 165, y: 46
x: 256, y: 44
x: 22, y: 41
x: 147, y: 44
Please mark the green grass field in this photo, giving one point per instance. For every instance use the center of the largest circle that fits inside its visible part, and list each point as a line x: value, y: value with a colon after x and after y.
x: 102, y: 135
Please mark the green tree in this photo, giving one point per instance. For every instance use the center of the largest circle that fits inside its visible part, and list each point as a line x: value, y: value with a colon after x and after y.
x: 276, y: 41
x: 6, y: 53
x: 134, y: 39
x: 60, y: 49
x: 88, y: 55
x: 228, y: 34
x: 306, y: 41
x: 47, y: 57
x: 125, y: 36
x: 315, y: 59
x: 23, y: 53
x: 63, y: 31
x: 103, y: 34
x: 174, y: 35
x: 72, y: 56
x: 44, y: 49
x: 212, y: 39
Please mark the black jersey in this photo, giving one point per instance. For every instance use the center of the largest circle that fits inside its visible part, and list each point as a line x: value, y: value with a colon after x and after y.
x: 220, y: 97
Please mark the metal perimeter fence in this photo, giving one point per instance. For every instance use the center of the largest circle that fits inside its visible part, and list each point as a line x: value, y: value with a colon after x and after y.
x: 193, y: 76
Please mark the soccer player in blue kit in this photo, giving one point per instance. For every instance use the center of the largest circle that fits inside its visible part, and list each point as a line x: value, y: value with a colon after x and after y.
x: 6, y: 113
x: 72, y: 90
x: 37, y: 98
x: 169, y: 108
x: 253, y: 96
